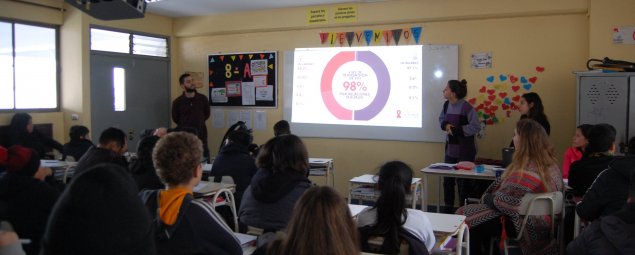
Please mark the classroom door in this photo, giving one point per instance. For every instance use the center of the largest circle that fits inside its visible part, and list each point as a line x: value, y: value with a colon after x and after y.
x: 145, y: 97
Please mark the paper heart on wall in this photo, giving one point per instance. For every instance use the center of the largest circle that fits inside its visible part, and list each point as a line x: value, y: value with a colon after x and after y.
x: 472, y: 101
x: 513, y: 79
x: 491, y: 91
x: 533, y: 79
x: 514, y: 107
x: 493, y: 108
x: 482, y: 90
x: 540, y: 69
x: 490, y: 79
x: 505, y: 106
x: 489, y: 122
x: 487, y: 103
x: 485, y: 116
x: 502, y: 94
x: 515, y: 99
x: 498, y: 101
x: 507, y: 101
x: 491, y: 97
x: 523, y: 79
x: 527, y: 86
x: 515, y: 88
x: 502, y: 77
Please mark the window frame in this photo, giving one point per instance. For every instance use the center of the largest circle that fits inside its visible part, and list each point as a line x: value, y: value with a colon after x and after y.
x: 58, y: 67
x: 131, y: 42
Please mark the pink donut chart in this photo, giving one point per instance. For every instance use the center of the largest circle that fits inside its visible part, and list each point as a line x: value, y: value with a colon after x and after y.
x: 383, y: 83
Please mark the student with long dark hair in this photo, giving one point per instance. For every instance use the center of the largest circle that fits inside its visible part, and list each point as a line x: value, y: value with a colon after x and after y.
x: 79, y: 143
x: 458, y: 119
x: 281, y: 179
x: 332, y: 230
x: 389, y: 217
x: 531, y: 108
x: 574, y: 153
x: 22, y: 133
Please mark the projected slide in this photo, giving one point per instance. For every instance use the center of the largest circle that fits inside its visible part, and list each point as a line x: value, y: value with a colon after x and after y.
x: 370, y: 86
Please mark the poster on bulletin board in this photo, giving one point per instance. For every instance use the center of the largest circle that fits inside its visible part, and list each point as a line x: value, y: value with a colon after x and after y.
x: 243, y: 79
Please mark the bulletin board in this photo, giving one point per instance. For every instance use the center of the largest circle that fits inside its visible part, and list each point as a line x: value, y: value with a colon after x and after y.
x: 246, y: 79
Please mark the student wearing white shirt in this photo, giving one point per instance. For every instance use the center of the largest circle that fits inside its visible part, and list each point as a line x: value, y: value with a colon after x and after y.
x: 390, y: 214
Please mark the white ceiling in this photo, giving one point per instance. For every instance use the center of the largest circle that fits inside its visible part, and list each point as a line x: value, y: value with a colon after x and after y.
x: 187, y: 8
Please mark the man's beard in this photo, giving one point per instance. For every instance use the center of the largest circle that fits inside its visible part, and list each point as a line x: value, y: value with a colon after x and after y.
x: 190, y: 90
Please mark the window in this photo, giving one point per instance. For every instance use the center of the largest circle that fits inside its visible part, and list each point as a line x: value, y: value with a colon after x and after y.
x: 130, y: 43
x: 28, y: 66
x: 119, y: 88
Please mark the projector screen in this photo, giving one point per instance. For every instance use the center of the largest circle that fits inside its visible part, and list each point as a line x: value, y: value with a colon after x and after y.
x: 380, y: 92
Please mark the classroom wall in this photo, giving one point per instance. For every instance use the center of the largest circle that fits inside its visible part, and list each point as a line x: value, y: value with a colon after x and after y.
x: 520, y: 36
x: 75, y: 56
x: 604, y: 15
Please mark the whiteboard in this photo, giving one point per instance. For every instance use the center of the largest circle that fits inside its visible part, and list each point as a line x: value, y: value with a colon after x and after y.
x: 436, y: 58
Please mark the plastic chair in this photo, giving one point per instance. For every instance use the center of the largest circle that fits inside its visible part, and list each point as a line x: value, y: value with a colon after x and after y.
x: 537, y: 204
x: 229, y: 201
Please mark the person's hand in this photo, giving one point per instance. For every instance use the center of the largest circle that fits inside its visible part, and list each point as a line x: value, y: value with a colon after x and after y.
x: 448, y: 128
x: 42, y: 173
x: 160, y: 132
x: 7, y: 238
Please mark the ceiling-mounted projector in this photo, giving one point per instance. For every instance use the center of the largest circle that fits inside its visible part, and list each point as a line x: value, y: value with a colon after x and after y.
x: 111, y: 9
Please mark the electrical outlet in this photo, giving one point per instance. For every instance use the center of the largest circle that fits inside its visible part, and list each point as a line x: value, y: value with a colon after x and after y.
x: 74, y: 116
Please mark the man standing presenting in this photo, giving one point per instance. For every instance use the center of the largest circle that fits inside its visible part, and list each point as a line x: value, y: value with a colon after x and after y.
x: 190, y: 110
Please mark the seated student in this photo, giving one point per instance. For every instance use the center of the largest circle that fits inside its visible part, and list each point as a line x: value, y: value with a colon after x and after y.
x: 79, y: 143
x: 142, y: 167
x: 234, y: 160
x: 574, y: 153
x: 112, y: 145
x: 281, y: 128
x: 29, y: 199
x: 22, y: 133
x: 98, y: 213
x: 389, y: 216
x: 597, y: 156
x: 534, y: 169
x: 613, y: 234
x: 332, y: 230
x: 279, y: 182
x: 609, y: 192
x: 184, y: 225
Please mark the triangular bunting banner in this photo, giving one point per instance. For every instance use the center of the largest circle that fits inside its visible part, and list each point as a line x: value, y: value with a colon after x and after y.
x: 262, y: 56
x: 407, y: 35
x: 333, y: 38
x: 270, y: 56
x: 222, y: 58
x: 211, y: 60
x: 251, y: 56
x: 396, y: 35
x: 341, y: 38
x: 240, y: 57
x: 387, y: 36
x: 349, y: 38
x: 416, y: 33
x: 358, y: 37
x: 377, y: 36
x: 271, y: 66
x: 323, y: 37
x: 368, y: 36
x: 233, y: 57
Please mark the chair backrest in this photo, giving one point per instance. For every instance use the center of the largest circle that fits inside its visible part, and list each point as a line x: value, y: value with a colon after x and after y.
x: 536, y: 204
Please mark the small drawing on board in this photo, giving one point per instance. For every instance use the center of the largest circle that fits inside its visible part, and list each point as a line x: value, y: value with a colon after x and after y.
x: 264, y: 93
x: 482, y: 60
x: 259, y: 67
x: 260, y: 80
x: 233, y: 88
x: 219, y: 95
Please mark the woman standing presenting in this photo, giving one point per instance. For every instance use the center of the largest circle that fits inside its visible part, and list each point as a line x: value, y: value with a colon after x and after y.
x: 458, y: 119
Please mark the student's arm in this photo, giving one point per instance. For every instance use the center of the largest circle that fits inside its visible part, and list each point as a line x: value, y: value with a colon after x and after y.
x: 592, y: 204
x: 48, y: 141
